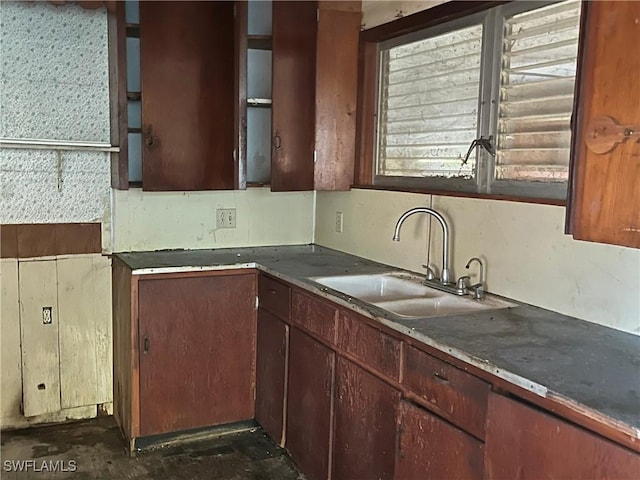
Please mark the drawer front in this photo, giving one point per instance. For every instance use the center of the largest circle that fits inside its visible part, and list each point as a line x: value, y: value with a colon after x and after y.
x: 275, y: 297
x: 368, y: 344
x: 448, y: 391
x: 314, y: 315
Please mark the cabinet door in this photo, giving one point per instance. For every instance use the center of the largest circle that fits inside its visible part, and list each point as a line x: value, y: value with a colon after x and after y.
x: 271, y: 374
x: 336, y: 94
x: 293, y: 96
x: 187, y: 65
x: 39, y: 323
x: 429, y: 447
x: 310, y: 390
x: 365, y: 428
x: 197, y: 351
x: 606, y: 194
x: 527, y: 444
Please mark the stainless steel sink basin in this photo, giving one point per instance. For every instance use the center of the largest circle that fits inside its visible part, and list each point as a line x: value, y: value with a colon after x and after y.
x: 404, y: 295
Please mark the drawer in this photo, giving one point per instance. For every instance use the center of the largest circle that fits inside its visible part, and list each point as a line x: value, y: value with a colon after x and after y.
x: 448, y: 391
x: 368, y: 344
x: 275, y: 297
x: 315, y: 315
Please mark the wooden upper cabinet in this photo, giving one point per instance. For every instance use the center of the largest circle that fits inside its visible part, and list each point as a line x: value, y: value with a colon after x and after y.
x: 187, y: 68
x: 606, y: 198
x: 315, y: 60
x: 336, y: 94
x: 293, y: 98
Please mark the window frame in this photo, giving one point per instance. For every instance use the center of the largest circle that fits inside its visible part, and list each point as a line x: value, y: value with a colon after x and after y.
x: 437, y: 20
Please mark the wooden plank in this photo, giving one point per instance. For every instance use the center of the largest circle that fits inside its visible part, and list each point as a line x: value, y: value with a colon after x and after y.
x: 274, y: 296
x: 527, y: 444
x: 293, y: 111
x: 122, y: 352
x: 606, y: 197
x: 118, y: 93
x: 187, y: 56
x: 310, y: 389
x: 429, y: 447
x: 11, y: 378
x: 366, y: 113
x: 315, y: 315
x: 336, y: 95
x: 40, y: 354
x: 84, y: 291
x: 197, y: 343
x: 375, y: 348
x: 450, y: 392
x: 271, y: 366
x: 8, y: 241
x: 240, y: 95
x: 365, y: 424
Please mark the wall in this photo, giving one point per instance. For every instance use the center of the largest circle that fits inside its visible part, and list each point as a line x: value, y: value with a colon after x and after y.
x: 377, y: 12
x: 157, y: 221
x: 528, y: 257
x: 54, y: 87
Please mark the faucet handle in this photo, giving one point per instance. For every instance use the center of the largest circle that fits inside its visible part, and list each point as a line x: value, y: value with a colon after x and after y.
x: 431, y: 275
x: 463, y: 284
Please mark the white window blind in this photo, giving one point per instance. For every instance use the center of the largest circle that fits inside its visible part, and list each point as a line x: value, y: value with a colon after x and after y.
x: 428, y: 105
x: 536, y: 95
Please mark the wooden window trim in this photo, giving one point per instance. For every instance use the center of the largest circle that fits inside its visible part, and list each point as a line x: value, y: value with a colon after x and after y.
x: 367, y: 92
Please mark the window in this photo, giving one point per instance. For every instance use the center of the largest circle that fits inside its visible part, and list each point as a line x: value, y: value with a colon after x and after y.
x: 480, y: 104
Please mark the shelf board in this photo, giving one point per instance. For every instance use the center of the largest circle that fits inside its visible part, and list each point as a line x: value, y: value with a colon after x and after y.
x: 259, y: 42
x: 259, y: 102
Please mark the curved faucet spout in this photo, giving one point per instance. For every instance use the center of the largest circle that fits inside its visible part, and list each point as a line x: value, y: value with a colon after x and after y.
x: 446, y: 274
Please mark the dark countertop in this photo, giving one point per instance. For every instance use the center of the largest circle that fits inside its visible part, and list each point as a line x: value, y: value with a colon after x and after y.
x: 551, y: 354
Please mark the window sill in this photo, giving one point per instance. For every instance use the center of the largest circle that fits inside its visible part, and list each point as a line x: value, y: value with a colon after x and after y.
x: 447, y: 193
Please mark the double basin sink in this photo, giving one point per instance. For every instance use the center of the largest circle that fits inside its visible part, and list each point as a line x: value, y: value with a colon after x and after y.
x: 403, y: 295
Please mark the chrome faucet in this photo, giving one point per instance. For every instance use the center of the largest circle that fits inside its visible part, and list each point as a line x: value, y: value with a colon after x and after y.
x: 477, y: 290
x: 445, y: 277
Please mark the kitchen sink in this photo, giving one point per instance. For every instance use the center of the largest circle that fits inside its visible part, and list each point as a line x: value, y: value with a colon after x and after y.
x: 378, y: 287
x: 403, y: 295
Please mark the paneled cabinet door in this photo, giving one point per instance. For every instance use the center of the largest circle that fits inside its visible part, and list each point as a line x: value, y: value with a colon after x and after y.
x: 365, y: 428
x: 527, y: 444
x: 271, y: 374
x: 197, y: 351
x: 310, y: 389
x: 187, y: 64
x: 606, y: 197
x: 429, y: 447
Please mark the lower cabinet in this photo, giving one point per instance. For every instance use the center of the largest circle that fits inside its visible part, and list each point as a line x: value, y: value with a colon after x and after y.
x: 429, y: 447
x: 197, y: 352
x: 184, y: 350
x: 364, y: 424
x: 271, y: 374
x: 525, y: 443
x: 310, y: 392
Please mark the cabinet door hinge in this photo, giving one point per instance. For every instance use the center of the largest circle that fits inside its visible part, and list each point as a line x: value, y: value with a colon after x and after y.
x: 257, y: 302
x: 317, y: 15
x: 315, y: 156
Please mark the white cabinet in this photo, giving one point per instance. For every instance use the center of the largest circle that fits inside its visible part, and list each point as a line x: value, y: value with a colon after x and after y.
x: 62, y: 368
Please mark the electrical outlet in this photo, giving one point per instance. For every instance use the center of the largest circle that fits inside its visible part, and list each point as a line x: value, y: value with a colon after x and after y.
x: 226, y: 218
x: 339, y: 222
x: 47, y: 315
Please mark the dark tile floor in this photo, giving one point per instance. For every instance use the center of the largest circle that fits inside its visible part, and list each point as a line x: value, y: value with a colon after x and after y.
x: 94, y: 449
